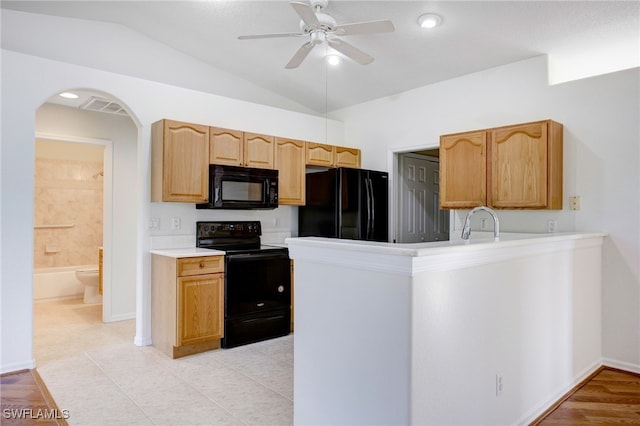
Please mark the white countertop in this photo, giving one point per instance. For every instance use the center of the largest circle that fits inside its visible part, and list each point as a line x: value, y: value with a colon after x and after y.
x: 479, y: 241
x: 187, y: 252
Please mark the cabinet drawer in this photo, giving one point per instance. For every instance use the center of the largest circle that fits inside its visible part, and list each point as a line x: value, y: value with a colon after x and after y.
x: 200, y: 265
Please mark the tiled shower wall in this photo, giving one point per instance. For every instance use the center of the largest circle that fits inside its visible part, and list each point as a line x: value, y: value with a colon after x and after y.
x: 68, y: 212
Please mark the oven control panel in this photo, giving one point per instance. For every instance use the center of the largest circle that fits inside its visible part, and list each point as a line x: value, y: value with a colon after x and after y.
x: 228, y: 229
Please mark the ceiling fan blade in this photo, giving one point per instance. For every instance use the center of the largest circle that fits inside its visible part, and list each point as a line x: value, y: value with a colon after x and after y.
x: 306, y: 13
x: 369, y: 27
x: 351, y: 51
x: 299, y: 56
x: 254, y: 36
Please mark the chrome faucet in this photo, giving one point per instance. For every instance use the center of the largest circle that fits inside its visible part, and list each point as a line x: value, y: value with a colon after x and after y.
x: 466, y: 230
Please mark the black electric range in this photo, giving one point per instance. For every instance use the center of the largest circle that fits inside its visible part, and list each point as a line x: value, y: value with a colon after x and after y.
x: 257, y: 301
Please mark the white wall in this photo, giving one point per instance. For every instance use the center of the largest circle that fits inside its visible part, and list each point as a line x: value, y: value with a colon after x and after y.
x: 27, y: 82
x: 435, y: 325
x: 601, y: 162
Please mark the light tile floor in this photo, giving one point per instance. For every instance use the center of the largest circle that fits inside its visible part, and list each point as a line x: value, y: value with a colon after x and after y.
x: 95, y: 371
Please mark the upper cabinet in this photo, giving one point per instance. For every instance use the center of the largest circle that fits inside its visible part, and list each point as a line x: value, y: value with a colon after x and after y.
x: 226, y: 146
x: 463, y: 170
x: 510, y: 167
x: 180, y: 153
x: 347, y: 157
x: 526, y: 166
x: 290, y: 162
x: 318, y: 154
x: 238, y: 148
x: 259, y: 151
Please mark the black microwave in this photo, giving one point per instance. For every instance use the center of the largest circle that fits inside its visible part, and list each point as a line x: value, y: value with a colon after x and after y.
x: 241, y: 188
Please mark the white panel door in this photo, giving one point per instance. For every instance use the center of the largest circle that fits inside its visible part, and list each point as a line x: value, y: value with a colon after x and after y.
x: 421, y: 220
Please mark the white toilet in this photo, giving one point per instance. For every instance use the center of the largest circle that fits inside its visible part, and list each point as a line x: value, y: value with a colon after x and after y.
x: 90, y: 279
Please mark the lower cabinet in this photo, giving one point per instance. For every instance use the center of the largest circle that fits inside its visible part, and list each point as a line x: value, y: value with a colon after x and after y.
x: 187, y: 304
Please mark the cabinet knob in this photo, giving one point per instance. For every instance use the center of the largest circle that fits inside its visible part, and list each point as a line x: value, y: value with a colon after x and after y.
x: 201, y: 265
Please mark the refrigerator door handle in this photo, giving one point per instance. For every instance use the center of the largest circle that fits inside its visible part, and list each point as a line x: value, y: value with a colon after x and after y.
x: 373, y: 208
x: 369, y: 188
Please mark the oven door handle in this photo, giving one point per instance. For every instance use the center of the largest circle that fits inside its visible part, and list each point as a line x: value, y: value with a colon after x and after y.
x: 255, y: 256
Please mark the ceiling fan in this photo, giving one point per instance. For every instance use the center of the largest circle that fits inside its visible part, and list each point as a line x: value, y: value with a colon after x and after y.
x: 320, y: 27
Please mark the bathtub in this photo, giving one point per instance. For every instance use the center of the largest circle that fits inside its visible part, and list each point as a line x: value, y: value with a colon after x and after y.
x: 58, y: 283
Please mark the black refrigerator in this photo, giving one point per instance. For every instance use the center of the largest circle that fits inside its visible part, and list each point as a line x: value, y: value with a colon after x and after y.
x: 346, y: 203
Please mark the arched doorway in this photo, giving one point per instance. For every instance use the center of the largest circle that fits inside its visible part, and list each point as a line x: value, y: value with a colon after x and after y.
x: 117, y: 132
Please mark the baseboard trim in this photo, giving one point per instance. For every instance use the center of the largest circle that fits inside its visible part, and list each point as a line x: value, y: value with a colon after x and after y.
x: 17, y: 366
x: 543, y: 408
x: 121, y: 317
x: 566, y: 396
x: 621, y: 365
x: 142, y: 341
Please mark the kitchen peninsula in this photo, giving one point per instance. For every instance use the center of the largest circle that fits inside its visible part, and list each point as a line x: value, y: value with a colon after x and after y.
x: 450, y: 332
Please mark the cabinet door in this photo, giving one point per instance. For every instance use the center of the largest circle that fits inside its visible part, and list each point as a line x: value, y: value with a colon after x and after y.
x: 181, y: 158
x: 225, y: 146
x: 518, y: 168
x: 317, y: 154
x: 291, y: 171
x: 347, y: 157
x: 258, y: 151
x: 200, y: 308
x: 463, y: 170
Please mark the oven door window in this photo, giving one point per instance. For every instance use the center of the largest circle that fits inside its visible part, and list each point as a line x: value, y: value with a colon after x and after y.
x: 242, y: 191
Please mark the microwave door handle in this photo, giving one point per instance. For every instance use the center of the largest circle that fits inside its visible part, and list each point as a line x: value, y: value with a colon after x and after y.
x: 265, y: 191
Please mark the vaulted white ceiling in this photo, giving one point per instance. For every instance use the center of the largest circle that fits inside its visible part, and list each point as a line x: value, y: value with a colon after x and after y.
x: 474, y: 36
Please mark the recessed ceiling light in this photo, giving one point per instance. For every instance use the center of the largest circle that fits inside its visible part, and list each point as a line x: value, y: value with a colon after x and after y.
x: 69, y: 95
x: 429, y: 20
x: 333, y: 59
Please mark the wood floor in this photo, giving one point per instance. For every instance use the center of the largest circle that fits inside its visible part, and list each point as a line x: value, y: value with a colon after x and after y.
x: 26, y: 400
x: 607, y: 397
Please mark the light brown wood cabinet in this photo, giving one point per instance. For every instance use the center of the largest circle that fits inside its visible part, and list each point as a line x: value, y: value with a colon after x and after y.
x: 347, y: 157
x: 179, y: 167
x: 259, y: 150
x: 238, y: 148
x: 290, y: 163
x: 510, y: 167
x: 226, y: 146
x: 463, y: 170
x: 318, y: 154
x: 187, y: 304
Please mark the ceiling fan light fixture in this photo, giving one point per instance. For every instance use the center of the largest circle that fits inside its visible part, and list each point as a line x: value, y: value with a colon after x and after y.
x: 333, y: 60
x: 429, y: 20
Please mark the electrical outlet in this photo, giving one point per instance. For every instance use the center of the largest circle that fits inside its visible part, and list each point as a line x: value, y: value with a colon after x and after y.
x: 552, y: 226
x: 574, y: 202
x: 175, y: 223
x: 154, y: 223
x: 483, y: 223
x: 499, y: 384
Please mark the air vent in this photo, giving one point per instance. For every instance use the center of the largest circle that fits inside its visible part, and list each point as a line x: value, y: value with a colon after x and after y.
x: 97, y: 104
